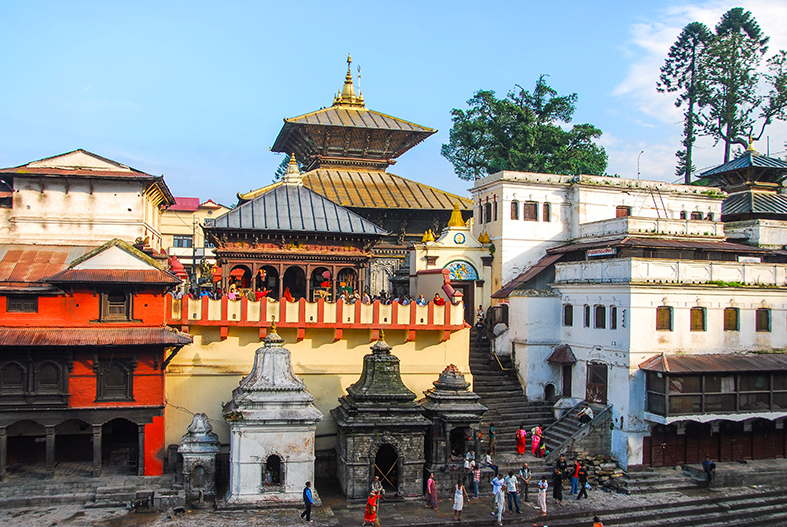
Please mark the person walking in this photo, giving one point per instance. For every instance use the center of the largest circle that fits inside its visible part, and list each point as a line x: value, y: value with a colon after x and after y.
x: 492, y: 439
x: 431, y: 493
x: 513, y: 494
x: 582, y: 476
x: 524, y: 477
x: 542, y: 495
x: 488, y: 462
x: 499, y: 491
x: 476, y: 480
x: 459, y: 499
x: 557, y: 486
x: 308, y: 501
x: 521, y: 435
x: 574, y: 478
x: 535, y: 438
x: 710, y: 468
x: 370, y: 513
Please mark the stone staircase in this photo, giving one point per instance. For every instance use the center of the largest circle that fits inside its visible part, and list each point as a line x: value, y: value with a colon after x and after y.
x: 658, y: 481
x: 501, y: 392
x: 749, y: 508
x: 560, y: 435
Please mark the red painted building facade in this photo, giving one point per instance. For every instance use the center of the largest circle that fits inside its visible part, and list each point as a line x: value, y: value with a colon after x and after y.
x: 83, y: 349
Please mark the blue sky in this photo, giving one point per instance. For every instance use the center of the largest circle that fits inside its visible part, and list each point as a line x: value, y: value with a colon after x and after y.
x: 197, y: 90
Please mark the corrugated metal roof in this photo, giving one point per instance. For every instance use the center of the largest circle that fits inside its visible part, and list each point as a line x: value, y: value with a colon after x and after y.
x: 160, y: 336
x: 528, y: 275
x: 185, y: 204
x: 32, y: 263
x: 295, y: 208
x: 357, y: 118
x: 754, y: 202
x: 747, y: 159
x: 631, y: 241
x: 113, y: 276
x: 562, y: 354
x: 115, y: 169
x: 711, y: 363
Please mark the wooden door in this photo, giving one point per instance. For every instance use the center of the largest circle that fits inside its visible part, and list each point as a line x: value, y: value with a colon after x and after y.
x: 596, y: 390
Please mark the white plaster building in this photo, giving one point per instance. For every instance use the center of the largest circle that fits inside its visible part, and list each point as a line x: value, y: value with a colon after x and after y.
x: 78, y: 198
x: 626, y: 271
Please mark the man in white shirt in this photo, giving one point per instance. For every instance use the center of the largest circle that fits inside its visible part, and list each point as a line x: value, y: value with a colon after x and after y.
x: 513, y: 495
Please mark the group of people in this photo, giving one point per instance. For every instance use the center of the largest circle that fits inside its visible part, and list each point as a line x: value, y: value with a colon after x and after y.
x: 537, y: 444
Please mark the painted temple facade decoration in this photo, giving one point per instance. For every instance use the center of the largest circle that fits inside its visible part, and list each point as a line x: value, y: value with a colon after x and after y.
x: 455, y: 412
x: 83, y: 349
x: 381, y: 430
x: 293, y: 243
x: 346, y: 150
x: 199, y: 446
x: 272, y: 422
x: 456, y: 264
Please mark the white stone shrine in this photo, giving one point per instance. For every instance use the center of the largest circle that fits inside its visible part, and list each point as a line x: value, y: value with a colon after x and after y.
x: 272, y: 423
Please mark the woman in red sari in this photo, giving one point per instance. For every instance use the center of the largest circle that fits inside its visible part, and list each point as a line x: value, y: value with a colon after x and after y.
x: 370, y: 515
x: 431, y: 493
x: 536, y: 434
x: 521, y: 434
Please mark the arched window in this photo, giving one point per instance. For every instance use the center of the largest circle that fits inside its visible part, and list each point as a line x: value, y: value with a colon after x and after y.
x: 683, y: 215
x: 12, y: 379
x: 114, y: 381
x: 273, y: 473
x: 48, y: 378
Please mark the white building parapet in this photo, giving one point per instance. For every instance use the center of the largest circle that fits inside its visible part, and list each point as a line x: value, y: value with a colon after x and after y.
x: 661, y: 227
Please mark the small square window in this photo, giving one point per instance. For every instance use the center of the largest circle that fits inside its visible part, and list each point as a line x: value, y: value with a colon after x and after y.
x: 664, y: 318
x: 731, y: 319
x: 21, y: 304
x: 697, y: 319
x: 763, y: 320
x: 115, y: 306
x: 183, y: 241
x: 622, y: 212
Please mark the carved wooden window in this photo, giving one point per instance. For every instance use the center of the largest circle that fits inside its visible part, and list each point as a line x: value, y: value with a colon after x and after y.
x: 116, y: 306
x: 514, y: 210
x: 732, y: 319
x: 622, y: 212
x: 114, y: 380
x: 12, y: 379
x: 763, y: 320
x: 546, y: 216
x: 48, y: 378
x: 21, y: 304
x: 664, y: 318
x: 530, y: 211
x: 600, y: 321
x: 697, y: 319
x: 568, y: 315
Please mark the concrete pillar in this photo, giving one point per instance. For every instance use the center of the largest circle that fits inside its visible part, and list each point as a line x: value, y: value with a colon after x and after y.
x: 141, y: 455
x: 96, y: 451
x: 3, y: 452
x: 50, y: 452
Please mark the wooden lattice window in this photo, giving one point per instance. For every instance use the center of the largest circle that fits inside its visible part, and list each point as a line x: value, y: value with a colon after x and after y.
x: 697, y: 321
x: 115, y: 305
x: 21, y: 304
x: 530, y: 211
x: 763, y: 320
x: 664, y: 318
x: 732, y: 319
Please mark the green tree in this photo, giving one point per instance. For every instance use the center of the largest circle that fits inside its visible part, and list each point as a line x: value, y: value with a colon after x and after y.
x: 522, y: 132
x: 730, y: 92
x: 680, y: 73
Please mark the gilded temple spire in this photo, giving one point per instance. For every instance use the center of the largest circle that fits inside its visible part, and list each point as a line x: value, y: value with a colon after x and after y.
x: 347, y: 97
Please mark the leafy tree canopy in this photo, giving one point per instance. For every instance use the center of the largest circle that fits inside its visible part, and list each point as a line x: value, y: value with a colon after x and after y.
x: 522, y: 132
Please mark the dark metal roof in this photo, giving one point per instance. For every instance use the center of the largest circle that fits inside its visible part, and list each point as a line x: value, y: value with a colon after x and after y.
x: 113, y: 276
x: 161, y: 336
x: 746, y: 160
x: 357, y: 118
x: 295, y: 208
x: 631, y: 241
x: 562, y: 354
x: 753, y: 202
x: 711, y: 363
x: 528, y: 275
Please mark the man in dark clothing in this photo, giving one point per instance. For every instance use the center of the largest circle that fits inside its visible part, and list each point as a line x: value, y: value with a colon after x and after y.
x: 308, y: 500
x: 709, y: 467
x: 582, y: 476
x: 563, y: 466
x: 557, y: 486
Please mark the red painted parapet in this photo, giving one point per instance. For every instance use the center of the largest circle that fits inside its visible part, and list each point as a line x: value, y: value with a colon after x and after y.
x: 304, y: 315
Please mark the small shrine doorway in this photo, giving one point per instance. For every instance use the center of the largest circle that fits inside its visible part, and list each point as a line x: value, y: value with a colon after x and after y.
x: 120, y: 445
x: 386, y: 463
x: 457, y: 442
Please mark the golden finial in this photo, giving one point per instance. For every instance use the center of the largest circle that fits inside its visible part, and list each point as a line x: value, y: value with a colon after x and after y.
x: 292, y: 176
x: 347, y: 95
x: 750, y: 148
x: 292, y: 160
x: 456, y: 217
x: 382, y: 335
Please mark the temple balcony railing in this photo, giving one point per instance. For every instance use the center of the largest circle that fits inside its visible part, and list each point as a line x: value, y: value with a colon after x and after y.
x: 639, y: 226
x: 653, y: 270
x: 302, y: 315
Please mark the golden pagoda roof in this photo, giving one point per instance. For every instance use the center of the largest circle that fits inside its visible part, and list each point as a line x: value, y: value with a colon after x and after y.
x: 373, y: 189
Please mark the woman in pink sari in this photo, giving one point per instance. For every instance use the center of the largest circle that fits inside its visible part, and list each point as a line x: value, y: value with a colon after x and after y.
x: 431, y: 493
x: 520, y: 439
x: 536, y: 435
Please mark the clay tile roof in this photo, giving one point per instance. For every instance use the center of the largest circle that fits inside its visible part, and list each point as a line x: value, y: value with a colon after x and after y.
x: 562, y: 354
x: 161, y: 336
x: 715, y: 362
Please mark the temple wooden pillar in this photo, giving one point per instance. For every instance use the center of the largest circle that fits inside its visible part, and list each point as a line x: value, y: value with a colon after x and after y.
x: 3, y: 451
x: 141, y: 455
x: 96, y: 451
x: 50, y: 451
